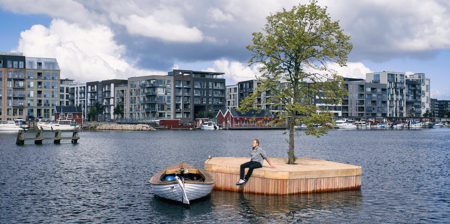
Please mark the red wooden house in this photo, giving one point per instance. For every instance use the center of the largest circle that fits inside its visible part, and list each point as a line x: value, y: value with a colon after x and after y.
x: 251, y: 119
x: 69, y: 113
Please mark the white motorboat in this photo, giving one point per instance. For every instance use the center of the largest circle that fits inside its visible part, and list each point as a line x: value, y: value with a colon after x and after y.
x: 427, y: 124
x: 415, y: 124
x: 397, y: 125
x: 182, y: 182
x: 14, y: 125
x: 210, y: 126
x: 59, y: 125
x: 439, y: 125
x: 342, y: 124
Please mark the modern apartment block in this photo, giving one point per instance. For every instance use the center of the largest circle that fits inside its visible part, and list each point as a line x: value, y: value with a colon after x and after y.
x: 12, y: 86
x: 42, y: 89
x: 396, y: 93
x: 354, y: 103
x: 418, y: 94
x: 179, y: 95
x: 73, y: 94
x: 434, y: 107
x: 232, y: 97
x: 102, y: 92
x: 443, y: 108
x: 147, y: 97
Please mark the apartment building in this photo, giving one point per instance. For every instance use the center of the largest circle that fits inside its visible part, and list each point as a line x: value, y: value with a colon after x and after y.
x: 418, y: 94
x: 72, y: 93
x: 443, y: 108
x: 179, y: 95
x: 147, y: 98
x: 42, y: 89
x: 102, y: 92
x: 12, y: 86
x: 232, y: 97
x: 354, y: 103
x: 396, y: 93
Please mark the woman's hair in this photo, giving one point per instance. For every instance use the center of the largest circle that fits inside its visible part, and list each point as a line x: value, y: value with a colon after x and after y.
x: 257, y: 141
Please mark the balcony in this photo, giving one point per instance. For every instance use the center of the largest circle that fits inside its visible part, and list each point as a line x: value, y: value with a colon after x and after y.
x: 152, y: 93
x: 150, y: 110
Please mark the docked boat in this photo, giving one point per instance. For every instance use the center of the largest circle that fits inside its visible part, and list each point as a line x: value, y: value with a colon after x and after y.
x: 14, y: 125
x: 342, y: 124
x: 396, y: 125
x: 59, y: 125
x: 415, y: 124
x: 427, y: 125
x: 182, y: 182
x: 439, y: 125
x: 210, y: 126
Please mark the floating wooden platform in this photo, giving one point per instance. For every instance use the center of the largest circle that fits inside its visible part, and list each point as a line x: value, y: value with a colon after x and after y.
x: 306, y: 176
x: 21, y: 136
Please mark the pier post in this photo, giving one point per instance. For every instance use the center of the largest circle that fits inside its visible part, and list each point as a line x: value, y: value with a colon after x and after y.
x: 74, y: 137
x: 20, y: 138
x: 57, y: 137
x: 39, y: 137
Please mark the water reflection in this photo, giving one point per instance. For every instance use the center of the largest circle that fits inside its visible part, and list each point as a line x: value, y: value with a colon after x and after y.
x: 298, y: 207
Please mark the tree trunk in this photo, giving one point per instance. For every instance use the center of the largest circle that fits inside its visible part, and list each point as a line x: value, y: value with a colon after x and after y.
x: 291, y: 159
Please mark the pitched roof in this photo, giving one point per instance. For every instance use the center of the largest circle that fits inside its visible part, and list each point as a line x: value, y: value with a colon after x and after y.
x: 67, y: 109
x: 251, y: 113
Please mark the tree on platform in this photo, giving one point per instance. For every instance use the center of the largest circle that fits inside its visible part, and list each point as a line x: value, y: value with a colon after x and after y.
x: 298, y: 46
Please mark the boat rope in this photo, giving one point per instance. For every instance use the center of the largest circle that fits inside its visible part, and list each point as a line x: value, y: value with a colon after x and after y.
x: 184, y: 198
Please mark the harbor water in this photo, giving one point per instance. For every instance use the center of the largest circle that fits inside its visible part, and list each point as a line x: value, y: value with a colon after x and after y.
x: 104, y: 178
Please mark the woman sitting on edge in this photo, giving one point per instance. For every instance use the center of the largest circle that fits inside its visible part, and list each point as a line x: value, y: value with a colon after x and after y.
x: 258, y: 156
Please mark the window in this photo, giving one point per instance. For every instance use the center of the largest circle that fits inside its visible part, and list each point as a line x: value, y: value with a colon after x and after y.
x: 9, y: 75
x: 47, y: 76
x: 54, y: 85
x: 9, y: 65
x: 47, y: 85
x: 47, y: 113
x: 54, y: 94
x: 30, y: 84
x: 15, y: 64
x: 54, y: 76
x: 30, y: 75
x: 30, y: 103
x: 46, y: 94
x: 21, y: 64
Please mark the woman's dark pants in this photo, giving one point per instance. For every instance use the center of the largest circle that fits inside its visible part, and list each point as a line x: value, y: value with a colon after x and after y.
x: 250, y: 165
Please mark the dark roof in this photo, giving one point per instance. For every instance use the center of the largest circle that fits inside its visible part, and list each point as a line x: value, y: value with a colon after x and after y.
x: 251, y: 113
x: 68, y: 109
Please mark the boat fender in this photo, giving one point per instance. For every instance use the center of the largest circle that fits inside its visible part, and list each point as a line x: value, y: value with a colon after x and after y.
x: 169, y: 178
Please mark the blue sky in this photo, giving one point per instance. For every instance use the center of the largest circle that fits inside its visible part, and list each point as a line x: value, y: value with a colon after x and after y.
x: 94, y: 40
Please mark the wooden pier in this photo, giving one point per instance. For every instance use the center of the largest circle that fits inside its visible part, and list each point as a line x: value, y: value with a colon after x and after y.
x: 306, y: 176
x: 21, y: 136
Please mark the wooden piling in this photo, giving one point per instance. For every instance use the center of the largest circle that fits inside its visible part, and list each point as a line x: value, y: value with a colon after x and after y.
x: 307, y: 176
x: 21, y: 136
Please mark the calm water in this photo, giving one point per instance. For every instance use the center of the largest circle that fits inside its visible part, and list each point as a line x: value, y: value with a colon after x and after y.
x: 104, y: 178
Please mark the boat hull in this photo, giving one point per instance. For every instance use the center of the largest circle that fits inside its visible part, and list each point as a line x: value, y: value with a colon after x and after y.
x: 174, y: 192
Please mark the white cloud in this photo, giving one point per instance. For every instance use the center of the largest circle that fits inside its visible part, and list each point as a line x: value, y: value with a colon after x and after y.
x: 234, y: 71
x: 217, y: 15
x: 150, y: 26
x: 83, y: 53
x: 68, y: 10
x: 444, y: 94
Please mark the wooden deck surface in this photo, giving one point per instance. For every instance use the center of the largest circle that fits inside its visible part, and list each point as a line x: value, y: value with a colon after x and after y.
x: 307, y: 175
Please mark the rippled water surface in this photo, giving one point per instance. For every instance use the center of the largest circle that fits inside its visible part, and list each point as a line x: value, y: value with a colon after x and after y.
x: 104, y: 178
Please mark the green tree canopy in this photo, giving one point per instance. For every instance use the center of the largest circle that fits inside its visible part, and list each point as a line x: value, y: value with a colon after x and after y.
x: 119, y: 111
x: 298, y: 46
